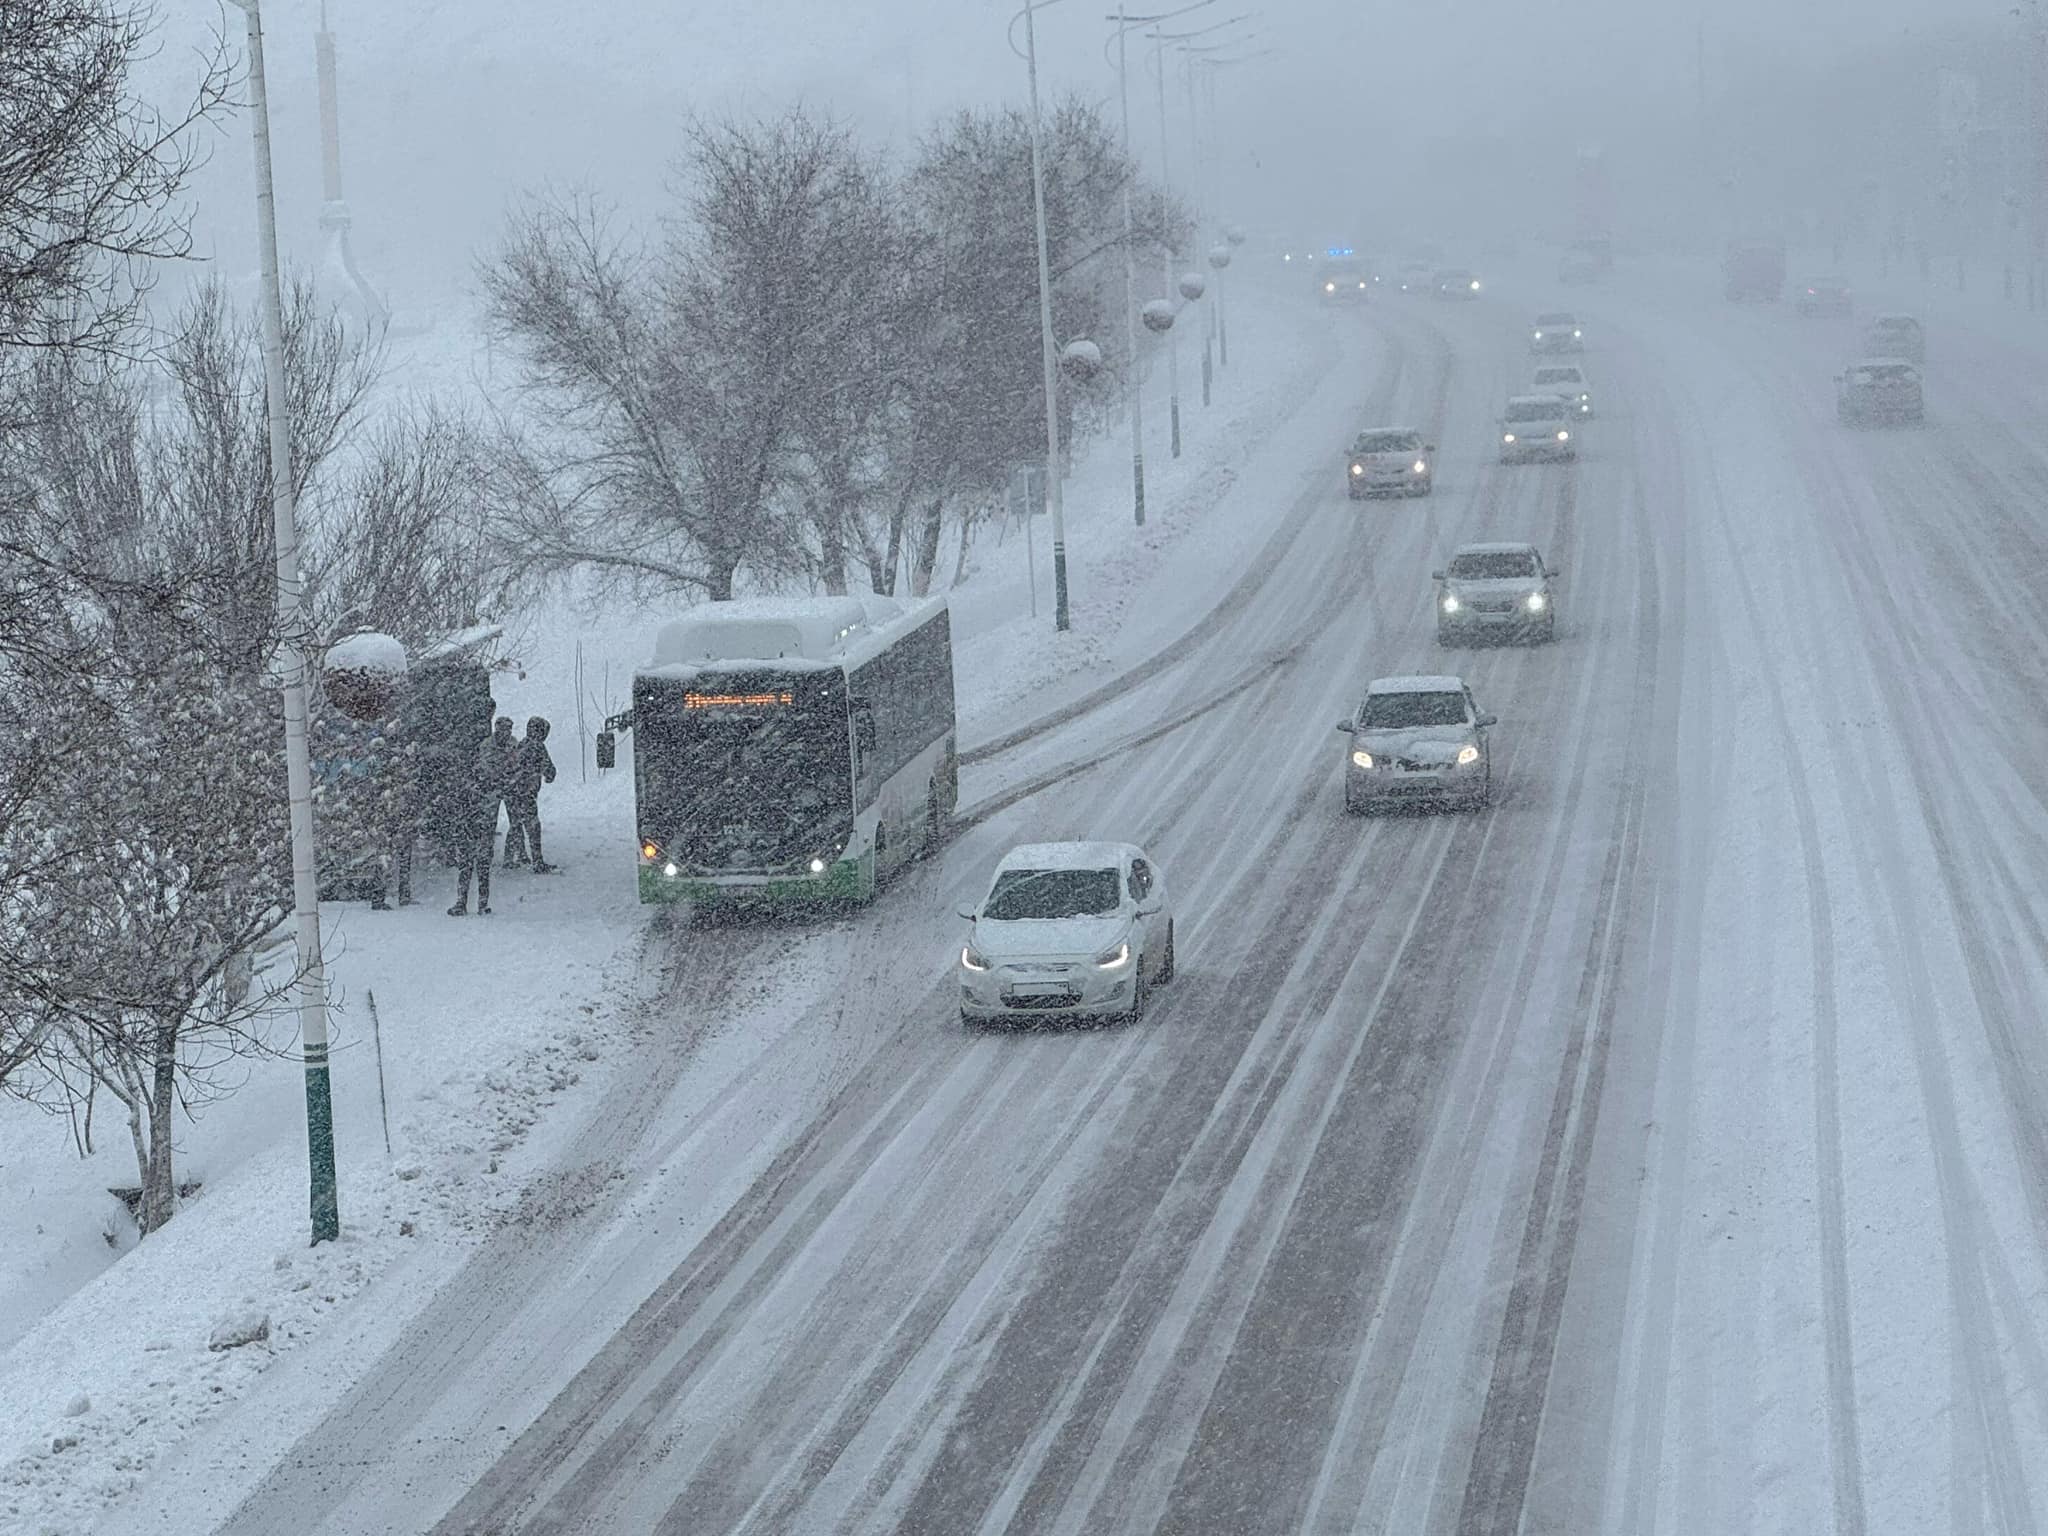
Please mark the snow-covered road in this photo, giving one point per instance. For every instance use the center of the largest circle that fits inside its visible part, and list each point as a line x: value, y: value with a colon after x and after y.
x: 1662, y: 1150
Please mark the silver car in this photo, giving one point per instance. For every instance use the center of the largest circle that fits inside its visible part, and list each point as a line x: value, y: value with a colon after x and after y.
x: 1067, y: 931
x: 1501, y: 591
x: 1537, y: 427
x: 1390, y: 461
x: 1568, y: 380
x: 1417, y: 741
x: 1557, y: 332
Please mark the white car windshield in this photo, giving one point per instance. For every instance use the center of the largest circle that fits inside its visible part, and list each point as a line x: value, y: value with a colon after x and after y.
x: 1494, y: 565
x: 1393, y: 711
x: 1559, y: 376
x: 1559, y: 322
x: 1898, y: 374
x: 1049, y: 893
x: 1534, y: 410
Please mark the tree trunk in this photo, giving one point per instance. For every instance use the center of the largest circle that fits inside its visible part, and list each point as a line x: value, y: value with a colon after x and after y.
x: 159, y: 1183
x: 719, y: 577
x: 832, y: 550
x: 931, y: 525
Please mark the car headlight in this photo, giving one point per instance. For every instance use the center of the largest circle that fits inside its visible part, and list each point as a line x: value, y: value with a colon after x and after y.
x: 1578, y: 335
x: 1358, y: 469
x: 1361, y: 759
x: 1507, y: 437
x: 1451, y: 602
x: 1537, y: 337
x: 1329, y: 287
x: 1563, y: 436
x: 1361, y: 285
x: 1475, y: 285
x: 1111, y: 959
x: 972, y: 959
x: 817, y: 866
x: 670, y: 870
x: 1419, y: 468
x: 1538, y: 602
x: 1467, y: 755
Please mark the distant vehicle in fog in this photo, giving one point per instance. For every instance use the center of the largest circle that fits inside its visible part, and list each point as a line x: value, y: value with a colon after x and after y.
x: 1879, y: 391
x: 1457, y: 283
x: 1342, y: 280
x: 1569, y: 380
x: 1537, y: 427
x: 1415, y: 277
x: 1822, y: 296
x: 1557, y: 331
x: 1576, y: 269
x: 1500, y: 591
x: 1896, y: 336
x: 1390, y: 461
x: 1754, y: 269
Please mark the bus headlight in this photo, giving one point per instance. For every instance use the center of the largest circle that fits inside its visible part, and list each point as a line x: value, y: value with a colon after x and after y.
x: 670, y: 870
x: 817, y: 866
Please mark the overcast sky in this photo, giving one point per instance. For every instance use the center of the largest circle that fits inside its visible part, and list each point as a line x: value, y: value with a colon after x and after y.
x: 450, y: 109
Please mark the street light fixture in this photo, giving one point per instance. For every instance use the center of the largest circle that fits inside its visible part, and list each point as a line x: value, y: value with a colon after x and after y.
x: 1133, y: 390
x: 1055, y: 502
x: 325, y: 1200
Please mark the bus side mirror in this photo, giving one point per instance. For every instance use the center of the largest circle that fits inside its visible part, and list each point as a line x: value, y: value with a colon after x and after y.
x: 607, y: 748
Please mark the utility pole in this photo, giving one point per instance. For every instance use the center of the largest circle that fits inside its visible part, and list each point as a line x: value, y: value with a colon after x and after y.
x: 1133, y: 386
x: 1054, y: 499
x: 325, y: 1201
x: 1166, y: 260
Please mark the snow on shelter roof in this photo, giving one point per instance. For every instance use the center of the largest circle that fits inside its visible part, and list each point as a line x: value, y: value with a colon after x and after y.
x: 1416, y: 685
x: 818, y: 631
x: 367, y: 650
x: 1065, y: 856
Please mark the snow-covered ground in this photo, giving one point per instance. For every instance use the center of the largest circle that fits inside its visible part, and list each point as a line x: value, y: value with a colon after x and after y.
x: 1661, y: 1150
x: 502, y: 1037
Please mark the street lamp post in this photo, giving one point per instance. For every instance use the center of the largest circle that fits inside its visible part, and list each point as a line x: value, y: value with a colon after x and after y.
x: 1134, y: 403
x: 325, y: 1201
x: 1054, y: 501
x: 1166, y: 262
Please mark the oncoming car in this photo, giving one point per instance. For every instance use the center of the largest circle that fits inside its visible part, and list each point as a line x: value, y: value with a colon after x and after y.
x: 1499, y: 590
x: 1390, y: 461
x: 1343, y: 282
x: 1823, y: 296
x: 1537, y: 427
x: 1457, y: 283
x: 1557, y: 332
x: 1415, y: 277
x: 1417, y: 741
x: 1568, y: 380
x: 1067, y: 931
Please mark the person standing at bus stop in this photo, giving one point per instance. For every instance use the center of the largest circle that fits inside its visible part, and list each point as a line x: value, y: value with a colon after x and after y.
x: 473, y: 818
x: 535, y: 767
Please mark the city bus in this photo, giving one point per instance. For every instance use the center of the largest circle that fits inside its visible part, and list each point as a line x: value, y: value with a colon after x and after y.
x: 791, y: 752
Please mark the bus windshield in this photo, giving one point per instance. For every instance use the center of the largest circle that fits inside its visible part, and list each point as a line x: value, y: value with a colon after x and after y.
x: 745, y: 771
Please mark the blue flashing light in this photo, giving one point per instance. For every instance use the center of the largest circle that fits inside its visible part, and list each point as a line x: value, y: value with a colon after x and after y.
x: 1340, y: 250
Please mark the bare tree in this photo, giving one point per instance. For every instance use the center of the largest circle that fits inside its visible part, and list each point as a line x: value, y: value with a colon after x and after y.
x: 90, y: 175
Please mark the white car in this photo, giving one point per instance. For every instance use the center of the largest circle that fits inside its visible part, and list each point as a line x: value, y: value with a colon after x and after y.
x: 1537, y: 427
x: 1499, y: 590
x: 1390, y: 461
x: 1896, y: 336
x: 1067, y: 931
x: 1569, y: 380
x: 1417, y: 741
x: 1557, y: 332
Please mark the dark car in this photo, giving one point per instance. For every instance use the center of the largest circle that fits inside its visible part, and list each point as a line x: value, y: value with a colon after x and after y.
x: 1822, y: 296
x: 1882, y: 391
x: 1456, y: 283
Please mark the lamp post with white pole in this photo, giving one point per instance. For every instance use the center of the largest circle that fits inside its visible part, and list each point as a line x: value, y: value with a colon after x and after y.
x: 1055, y: 503
x: 325, y: 1201
x: 1133, y: 389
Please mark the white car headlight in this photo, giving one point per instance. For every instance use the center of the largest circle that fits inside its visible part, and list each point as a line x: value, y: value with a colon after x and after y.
x: 1419, y: 468
x: 1538, y: 336
x: 1361, y: 285
x: 1578, y: 335
x: 1111, y: 959
x: 1507, y: 437
x: 972, y: 959
x: 1361, y: 759
x: 1358, y: 469
x: 1475, y: 285
x: 1538, y: 602
x: 817, y: 866
x: 1451, y: 604
x: 1563, y: 436
x: 1329, y: 287
x: 1467, y: 755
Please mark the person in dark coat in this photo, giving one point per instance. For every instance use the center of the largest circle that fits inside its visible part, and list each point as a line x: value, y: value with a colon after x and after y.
x: 402, y: 811
x: 534, y: 768
x: 473, y: 814
x: 498, y: 760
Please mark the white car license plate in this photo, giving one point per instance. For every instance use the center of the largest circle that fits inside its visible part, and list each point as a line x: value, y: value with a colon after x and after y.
x: 1040, y: 989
